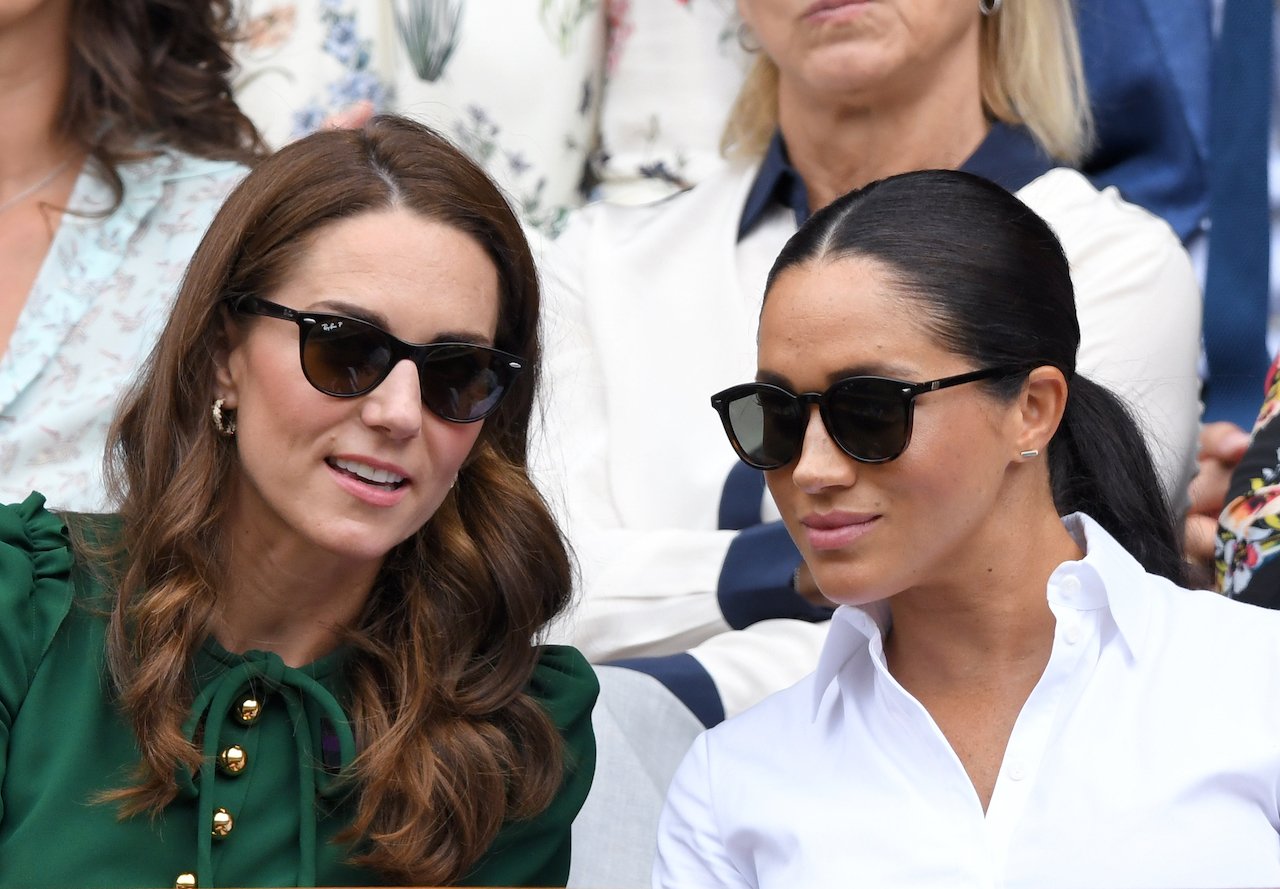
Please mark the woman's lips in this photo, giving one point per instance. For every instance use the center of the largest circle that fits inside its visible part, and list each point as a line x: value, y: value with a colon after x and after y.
x: 836, y: 530
x: 371, y: 492
x: 827, y: 10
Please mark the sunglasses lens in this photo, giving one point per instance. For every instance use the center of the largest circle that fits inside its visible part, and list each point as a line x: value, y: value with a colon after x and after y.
x: 342, y: 356
x: 464, y: 383
x: 767, y: 426
x: 868, y: 417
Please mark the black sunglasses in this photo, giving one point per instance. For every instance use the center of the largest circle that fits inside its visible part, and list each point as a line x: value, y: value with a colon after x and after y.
x: 345, y: 357
x: 868, y: 417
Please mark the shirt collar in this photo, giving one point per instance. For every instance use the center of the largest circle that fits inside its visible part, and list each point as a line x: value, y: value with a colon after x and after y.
x: 1108, y: 577
x: 1008, y: 156
x: 776, y: 182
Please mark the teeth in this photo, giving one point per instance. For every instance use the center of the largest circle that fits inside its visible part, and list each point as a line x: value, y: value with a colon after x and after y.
x: 368, y: 473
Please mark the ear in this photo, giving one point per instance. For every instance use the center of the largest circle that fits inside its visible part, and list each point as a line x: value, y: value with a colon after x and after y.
x: 225, y: 359
x: 1040, y: 408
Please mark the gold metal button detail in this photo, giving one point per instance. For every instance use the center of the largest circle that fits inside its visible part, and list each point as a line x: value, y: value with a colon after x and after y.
x: 233, y: 759
x: 249, y: 711
x: 185, y: 881
x: 222, y: 822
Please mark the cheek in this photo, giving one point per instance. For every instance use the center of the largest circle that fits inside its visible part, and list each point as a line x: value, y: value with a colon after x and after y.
x: 786, y: 496
x: 450, y: 444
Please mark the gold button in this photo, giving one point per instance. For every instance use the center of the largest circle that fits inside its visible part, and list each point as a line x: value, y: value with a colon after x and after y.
x: 185, y: 881
x: 222, y: 822
x: 249, y: 711
x: 233, y: 759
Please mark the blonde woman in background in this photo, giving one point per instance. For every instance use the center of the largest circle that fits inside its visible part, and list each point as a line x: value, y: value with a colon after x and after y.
x: 682, y: 556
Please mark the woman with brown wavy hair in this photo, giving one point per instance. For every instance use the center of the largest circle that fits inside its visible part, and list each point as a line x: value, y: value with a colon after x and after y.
x: 317, y: 607
x: 118, y: 141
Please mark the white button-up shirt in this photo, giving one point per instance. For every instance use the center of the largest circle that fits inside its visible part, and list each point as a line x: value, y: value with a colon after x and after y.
x: 1147, y: 755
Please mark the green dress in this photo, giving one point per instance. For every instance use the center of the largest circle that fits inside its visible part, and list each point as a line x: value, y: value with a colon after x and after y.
x: 63, y: 741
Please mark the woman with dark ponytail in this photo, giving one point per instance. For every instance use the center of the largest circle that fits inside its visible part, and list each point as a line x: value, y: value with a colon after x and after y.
x: 1014, y: 689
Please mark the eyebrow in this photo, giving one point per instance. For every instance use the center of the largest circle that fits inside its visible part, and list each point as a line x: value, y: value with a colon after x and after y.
x: 894, y: 371
x: 377, y: 319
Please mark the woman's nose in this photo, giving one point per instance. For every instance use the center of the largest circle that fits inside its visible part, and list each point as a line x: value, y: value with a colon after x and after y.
x: 395, y: 404
x: 821, y: 463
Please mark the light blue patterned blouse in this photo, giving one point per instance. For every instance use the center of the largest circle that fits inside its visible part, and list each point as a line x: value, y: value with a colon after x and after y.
x: 97, y: 305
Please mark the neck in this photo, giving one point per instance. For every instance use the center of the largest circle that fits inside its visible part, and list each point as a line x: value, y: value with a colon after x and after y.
x: 34, y: 59
x: 989, y: 622
x: 281, y: 597
x: 838, y: 144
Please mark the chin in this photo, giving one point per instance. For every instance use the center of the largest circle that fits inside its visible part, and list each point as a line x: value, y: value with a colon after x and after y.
x: 361, y: 541
x: 852, y: 587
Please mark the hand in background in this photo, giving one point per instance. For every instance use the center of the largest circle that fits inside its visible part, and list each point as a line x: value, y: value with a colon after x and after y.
x: 1222, y: 445
x: 350, y: 118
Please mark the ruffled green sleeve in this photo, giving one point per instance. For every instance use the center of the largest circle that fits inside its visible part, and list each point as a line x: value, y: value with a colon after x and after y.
x: 536, y: 852
x: 35, y: 596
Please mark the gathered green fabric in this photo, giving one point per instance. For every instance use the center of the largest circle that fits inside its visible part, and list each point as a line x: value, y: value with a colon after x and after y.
x: 63, y: 742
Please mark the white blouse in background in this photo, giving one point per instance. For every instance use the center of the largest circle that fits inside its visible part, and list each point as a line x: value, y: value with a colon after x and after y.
x: 1147, y: 755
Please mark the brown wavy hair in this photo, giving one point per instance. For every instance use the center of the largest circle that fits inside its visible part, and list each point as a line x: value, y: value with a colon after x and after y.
x: 450, y: 743
x: 146, y: 74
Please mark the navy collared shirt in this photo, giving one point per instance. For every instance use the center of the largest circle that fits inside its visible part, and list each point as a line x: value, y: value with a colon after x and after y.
x: 1008, y: 156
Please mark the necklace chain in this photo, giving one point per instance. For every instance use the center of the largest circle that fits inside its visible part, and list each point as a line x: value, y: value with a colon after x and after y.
x: 13, y: 201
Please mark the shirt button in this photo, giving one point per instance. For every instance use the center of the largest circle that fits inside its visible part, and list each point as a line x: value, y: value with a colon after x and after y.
x: 1070, y: 586
x: 249, y: 711
x: 1072, y: 634
x: 185, y: 881
x: 232, y: 760
x: 222, y: 822
x: 1016, y: 771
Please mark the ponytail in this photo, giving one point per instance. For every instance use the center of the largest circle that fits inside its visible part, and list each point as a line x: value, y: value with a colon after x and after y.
x: 1099, y: 464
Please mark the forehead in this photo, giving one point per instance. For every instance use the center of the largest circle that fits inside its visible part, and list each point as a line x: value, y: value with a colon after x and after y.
x: 842, y: 314
x: 418, y: 273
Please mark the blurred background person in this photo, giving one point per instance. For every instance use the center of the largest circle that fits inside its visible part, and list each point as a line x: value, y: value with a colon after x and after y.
x: 118, y: 142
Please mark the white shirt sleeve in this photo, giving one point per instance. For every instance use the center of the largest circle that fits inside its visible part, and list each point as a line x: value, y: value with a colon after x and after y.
x: 691, y: 850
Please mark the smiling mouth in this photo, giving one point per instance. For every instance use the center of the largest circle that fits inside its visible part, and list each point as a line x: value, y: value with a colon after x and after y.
x: 369, y: 475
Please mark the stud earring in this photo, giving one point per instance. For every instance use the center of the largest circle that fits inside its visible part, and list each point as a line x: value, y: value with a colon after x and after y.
x: 1028, y: 454
x: 224, y: 423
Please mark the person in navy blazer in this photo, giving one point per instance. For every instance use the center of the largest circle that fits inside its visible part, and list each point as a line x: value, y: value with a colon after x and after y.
x: 1147, y: 65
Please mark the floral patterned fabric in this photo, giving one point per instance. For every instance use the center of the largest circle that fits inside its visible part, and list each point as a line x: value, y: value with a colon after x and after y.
x: 97, y: 305
x: 551, y: 96
x: 1249, y: 526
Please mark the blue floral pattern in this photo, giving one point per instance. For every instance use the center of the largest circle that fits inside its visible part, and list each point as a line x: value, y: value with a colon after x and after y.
x: 91, y: 317
x: 556, y: 98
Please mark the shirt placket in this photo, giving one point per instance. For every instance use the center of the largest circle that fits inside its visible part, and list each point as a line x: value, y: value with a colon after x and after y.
x: 1076, y: 648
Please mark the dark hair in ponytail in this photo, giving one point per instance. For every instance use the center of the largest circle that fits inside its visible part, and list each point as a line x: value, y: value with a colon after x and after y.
x: 994, y: 285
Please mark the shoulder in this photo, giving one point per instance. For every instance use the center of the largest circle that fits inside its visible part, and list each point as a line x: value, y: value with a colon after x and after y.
x: 1077, y: 210
x: 1114, y: 246
x: 565, y: 685
x: 176, y: 183
x: 36, y: 588
x: 171, y: 165
x: 1226, y: 630
x: 757, y: 737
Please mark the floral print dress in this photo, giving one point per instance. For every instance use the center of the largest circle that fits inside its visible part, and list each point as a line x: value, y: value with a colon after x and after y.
x: 1249, y: 526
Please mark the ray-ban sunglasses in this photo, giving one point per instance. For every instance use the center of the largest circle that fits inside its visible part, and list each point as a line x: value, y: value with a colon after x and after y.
x: 345, y: 357
x: 869, y: 418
